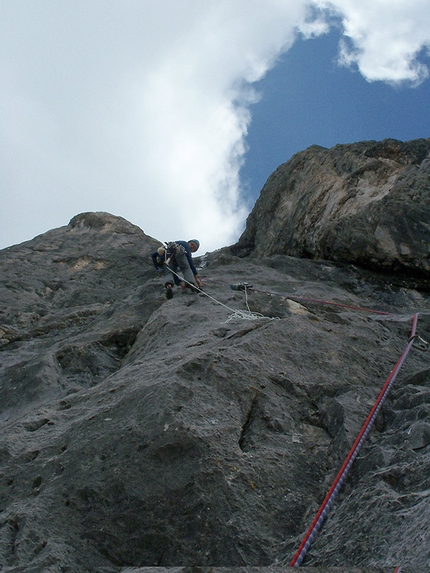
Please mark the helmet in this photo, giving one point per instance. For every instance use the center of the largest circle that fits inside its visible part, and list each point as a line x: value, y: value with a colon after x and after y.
x: 195, y: 241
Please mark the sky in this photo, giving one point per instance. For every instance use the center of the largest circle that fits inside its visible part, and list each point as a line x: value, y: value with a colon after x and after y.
x: 173, y: 114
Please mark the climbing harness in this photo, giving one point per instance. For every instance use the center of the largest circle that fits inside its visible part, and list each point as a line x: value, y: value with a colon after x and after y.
x: 344, y: 470
x: 165, y: 254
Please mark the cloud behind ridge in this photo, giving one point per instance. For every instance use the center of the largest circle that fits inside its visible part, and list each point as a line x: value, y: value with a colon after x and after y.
x: 141, y: 109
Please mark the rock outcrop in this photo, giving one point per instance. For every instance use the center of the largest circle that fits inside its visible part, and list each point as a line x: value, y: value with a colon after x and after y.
x: 365, y: 203
x: 139, y: 432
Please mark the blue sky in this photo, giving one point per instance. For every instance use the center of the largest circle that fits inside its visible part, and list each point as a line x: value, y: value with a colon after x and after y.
x: 175, y: 122
x: 307, y: 99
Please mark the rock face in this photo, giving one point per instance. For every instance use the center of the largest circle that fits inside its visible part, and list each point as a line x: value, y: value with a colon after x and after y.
x: 139, y: 432
x: 365, y: 203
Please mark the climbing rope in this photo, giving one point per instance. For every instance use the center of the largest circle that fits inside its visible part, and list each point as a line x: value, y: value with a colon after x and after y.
x: 248, y: 314
x: 344, y: 470
x: 418, y: 341
x: 318, y: 301
x: 414, y: 339
x: 236, y: 313
x: 239, y: 286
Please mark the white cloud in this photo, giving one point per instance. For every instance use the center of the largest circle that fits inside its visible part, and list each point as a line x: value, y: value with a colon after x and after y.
x: 384, y: 37
x: 137, y: 108
x: 141, y: 107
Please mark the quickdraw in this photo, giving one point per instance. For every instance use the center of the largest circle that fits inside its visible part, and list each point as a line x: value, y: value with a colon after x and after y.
x: 419, y: 342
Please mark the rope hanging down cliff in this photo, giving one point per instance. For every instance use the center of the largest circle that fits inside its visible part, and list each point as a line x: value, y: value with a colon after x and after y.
x: 344, y: 470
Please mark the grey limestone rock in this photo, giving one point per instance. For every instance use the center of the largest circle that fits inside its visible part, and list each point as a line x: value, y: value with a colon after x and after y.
x: 142, y: 434
x: 364, y: 203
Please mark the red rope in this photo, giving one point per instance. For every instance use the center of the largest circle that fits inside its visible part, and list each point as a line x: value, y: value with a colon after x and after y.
x: 318, y: 301
x: 323, y: 510
x: 313, y: 300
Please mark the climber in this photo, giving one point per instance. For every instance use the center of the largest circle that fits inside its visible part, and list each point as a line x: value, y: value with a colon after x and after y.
x: 178, y: 256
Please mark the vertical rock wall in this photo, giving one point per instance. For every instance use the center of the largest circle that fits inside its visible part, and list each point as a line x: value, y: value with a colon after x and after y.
x: 365, y: 203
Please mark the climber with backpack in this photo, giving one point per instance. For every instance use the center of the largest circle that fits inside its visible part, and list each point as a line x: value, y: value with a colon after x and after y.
x: 174, y: 257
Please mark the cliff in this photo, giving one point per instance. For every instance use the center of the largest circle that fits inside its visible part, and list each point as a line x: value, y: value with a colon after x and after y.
x: 365, y: 203
x: 140, y: 434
